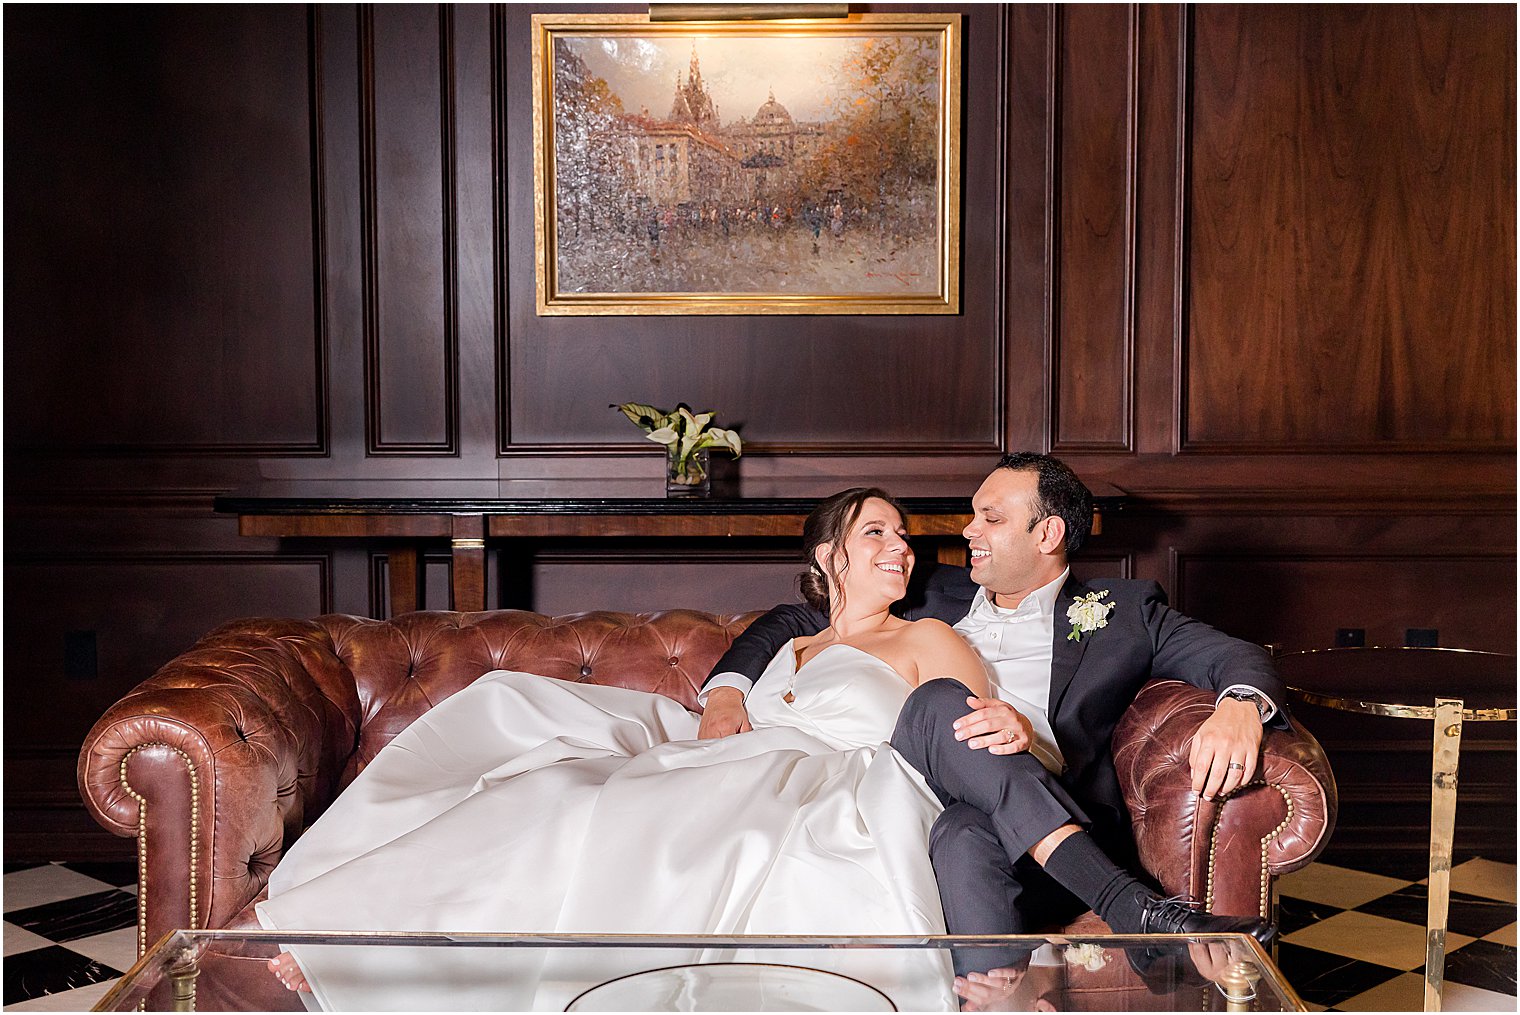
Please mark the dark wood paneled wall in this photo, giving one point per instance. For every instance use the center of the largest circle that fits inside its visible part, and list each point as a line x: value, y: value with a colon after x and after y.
x: 1255, y: 265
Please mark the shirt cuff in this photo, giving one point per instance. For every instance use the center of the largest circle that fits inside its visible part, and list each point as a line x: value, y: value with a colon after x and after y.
x: 737, y: 681
x: 1271, y: 706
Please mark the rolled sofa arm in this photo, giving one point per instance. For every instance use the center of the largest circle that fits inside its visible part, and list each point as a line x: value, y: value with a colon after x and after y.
x: 216, y: 761
x: 1221, y: 853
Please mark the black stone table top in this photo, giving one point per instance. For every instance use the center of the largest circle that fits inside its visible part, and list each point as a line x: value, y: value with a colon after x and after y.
x: 588, y: 497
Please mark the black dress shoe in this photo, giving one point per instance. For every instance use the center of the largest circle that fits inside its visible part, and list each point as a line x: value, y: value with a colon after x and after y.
x: 1172, y: 916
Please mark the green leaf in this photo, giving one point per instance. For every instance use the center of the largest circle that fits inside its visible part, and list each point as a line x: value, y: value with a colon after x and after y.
x: 646, y: 416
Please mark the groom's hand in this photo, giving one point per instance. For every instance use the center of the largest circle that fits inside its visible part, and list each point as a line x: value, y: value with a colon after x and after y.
x: 995, y: 725
x: 724, y: 715
x: 1226, y: 748
x: 990, y: 991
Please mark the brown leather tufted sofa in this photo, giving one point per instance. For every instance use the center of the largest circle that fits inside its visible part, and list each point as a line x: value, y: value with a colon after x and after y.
x: 219, y: 760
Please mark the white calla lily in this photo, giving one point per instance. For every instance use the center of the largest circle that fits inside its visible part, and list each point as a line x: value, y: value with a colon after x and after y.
x: 684, y: 433
x: 664, y: 435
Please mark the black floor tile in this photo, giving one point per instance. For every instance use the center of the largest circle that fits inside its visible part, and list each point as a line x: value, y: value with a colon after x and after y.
x: 11, y: 868
x: 1296, y: 914
x: 1404, y: 866
x: 81, y: 916
x: 120, y: 874
x: 50, y: 970
x: 1467, y: 914
x: 1483, y: 964
x: 1322, y: 978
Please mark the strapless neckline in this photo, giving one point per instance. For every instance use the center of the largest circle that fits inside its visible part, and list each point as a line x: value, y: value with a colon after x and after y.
x: 792, y: 652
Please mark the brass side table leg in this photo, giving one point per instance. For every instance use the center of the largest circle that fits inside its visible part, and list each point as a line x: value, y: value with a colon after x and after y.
x: 182, y: 978
x: 1443, y: 823
x: 1238, y: 985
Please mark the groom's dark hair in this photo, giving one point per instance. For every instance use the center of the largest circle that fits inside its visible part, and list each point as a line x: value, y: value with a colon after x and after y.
x: 1058, y: 492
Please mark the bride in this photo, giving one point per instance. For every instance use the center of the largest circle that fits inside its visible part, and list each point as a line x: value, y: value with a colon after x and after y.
x: 524, y: 804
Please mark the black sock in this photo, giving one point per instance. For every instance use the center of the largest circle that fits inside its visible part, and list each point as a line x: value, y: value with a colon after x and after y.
x: 1087, y: 872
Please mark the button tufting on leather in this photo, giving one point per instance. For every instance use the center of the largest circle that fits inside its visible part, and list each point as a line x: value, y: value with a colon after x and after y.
x: 674, y: 661
x: 585, y: 671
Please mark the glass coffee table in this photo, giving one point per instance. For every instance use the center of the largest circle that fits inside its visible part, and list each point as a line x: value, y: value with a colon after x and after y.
x: 226, y: 970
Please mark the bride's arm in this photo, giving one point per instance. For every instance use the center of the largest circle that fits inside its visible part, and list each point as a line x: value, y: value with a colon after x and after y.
x: 940, y: 652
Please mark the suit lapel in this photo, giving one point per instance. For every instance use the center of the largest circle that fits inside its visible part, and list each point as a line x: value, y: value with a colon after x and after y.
x: 1066, y: 655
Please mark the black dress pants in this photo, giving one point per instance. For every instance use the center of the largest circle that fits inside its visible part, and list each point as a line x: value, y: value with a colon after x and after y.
x: 997, y: 807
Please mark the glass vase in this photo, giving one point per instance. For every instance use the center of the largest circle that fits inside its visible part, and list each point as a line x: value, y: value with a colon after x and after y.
x: 688, y: 479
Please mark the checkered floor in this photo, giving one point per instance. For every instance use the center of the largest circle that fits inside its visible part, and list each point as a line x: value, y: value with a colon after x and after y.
x: 1353, y: 940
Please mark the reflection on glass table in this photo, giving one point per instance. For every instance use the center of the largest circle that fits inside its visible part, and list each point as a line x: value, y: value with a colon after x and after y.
x: 225, y: 970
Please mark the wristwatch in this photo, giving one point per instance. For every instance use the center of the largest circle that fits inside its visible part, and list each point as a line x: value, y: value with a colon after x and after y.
x: 1243, y: 695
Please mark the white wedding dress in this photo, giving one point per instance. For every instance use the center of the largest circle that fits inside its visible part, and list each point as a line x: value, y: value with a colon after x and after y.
x: 524, y: 804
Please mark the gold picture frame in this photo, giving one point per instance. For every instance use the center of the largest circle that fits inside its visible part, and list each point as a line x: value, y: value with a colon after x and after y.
x: 838, y: 194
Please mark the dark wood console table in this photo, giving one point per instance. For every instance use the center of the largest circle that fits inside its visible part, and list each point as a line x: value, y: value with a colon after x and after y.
x: 468, y: 513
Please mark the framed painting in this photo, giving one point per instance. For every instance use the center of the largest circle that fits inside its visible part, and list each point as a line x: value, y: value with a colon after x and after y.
x: 790, y: 167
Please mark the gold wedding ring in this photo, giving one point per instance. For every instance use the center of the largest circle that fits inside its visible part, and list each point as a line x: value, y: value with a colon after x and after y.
x: 1236, y: 764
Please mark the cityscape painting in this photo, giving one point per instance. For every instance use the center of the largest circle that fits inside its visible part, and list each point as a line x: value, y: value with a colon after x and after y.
x: 739, y: 168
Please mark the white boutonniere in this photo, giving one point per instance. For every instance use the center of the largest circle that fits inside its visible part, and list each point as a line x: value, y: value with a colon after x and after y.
x: 1090, y: 957
x: 1088, y: 615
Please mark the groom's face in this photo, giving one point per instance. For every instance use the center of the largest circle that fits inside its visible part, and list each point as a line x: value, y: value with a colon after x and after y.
x: 1006, y: 557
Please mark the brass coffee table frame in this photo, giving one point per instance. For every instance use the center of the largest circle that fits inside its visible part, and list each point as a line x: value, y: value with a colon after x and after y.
x: 176, y: 957
x: 1448, y: 715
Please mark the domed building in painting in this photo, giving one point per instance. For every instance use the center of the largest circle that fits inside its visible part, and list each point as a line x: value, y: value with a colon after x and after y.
x: 692, y: 157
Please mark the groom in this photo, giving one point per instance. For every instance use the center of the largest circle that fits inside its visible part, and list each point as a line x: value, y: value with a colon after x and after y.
x: 1035, y: 827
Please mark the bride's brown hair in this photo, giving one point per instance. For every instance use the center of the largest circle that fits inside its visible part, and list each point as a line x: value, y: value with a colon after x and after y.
x: 830, y: 523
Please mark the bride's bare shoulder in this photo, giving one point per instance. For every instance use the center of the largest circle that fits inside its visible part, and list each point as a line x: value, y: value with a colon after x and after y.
x: 930, y: 629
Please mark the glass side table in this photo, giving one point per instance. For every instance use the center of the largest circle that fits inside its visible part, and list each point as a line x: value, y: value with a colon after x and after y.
x: 227, y: 970
x: 1460, y: 685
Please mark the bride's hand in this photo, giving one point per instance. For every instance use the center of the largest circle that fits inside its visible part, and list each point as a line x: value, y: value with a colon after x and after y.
x: 724, y: 715
x: 995, y: 725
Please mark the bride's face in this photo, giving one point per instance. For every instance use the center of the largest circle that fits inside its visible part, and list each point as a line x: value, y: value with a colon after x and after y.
x: 878, y: 555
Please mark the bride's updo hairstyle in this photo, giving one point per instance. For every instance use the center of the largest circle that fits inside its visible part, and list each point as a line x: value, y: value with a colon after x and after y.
x: 830, y: 523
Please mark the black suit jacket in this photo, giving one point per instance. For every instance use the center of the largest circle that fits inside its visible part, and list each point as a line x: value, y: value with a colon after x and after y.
x: 1092, y: 681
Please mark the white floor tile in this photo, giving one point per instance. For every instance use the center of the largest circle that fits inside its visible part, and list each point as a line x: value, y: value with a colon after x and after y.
x: 79, y: 999
x: 1460, y: 997
x: 1488, y: 878
x: 1377, y: 939
x: 1402, y: 993
x: 1337, y: 886
x: 19, y: 939
x: 38, y: 885
x: 117, y: 949
x: 1502, y: 936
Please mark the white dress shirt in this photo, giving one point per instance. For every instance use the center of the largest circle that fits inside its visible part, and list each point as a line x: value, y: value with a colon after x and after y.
x: 1016, y: 647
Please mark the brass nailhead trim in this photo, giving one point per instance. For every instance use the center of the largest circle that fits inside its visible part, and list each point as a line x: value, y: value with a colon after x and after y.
x: 1266, y: 841
x: 142, y: 839
x: 1266, y: 880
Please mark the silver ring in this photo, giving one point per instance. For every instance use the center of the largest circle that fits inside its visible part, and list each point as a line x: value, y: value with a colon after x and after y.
x: 1236, y: 764
x: 1010, y: 736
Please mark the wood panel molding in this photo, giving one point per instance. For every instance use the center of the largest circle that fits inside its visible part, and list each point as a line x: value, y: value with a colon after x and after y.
x: 1093, y: 364
x: 1352, y: 246
x: 186, y: 558
x: 374, y: 277
x: 1028, y: 286
x: 1445, y: 594
x: 319, y: 442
